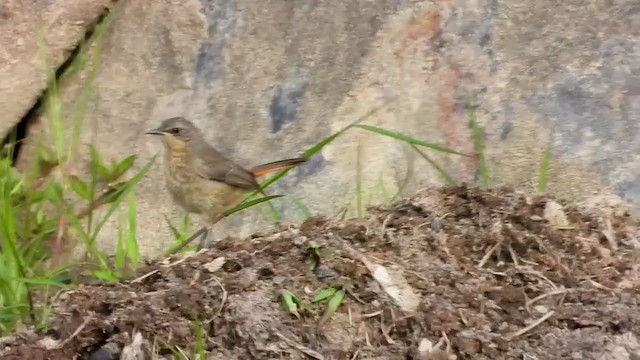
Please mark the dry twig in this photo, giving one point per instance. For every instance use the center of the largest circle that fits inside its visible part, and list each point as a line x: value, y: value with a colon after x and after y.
x: 528, y: 304
x: 514, y: 256
x: 610, y: 235
x: 305, y: 350
x: 139, y: 279
x: 75, y: 333
x: 225, y: 294
x: 486, y: 256
x: 530, y: 327
x: 530, y: 271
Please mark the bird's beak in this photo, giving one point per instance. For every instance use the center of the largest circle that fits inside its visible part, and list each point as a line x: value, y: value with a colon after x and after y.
x: 154, y: 132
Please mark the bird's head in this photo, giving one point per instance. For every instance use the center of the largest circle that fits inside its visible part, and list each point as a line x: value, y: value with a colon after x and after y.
x: 176, y: 132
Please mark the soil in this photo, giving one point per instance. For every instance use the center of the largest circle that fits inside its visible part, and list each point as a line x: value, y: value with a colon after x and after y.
x: 451, y: 273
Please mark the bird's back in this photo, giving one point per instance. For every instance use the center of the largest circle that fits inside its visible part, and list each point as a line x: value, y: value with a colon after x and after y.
x: 210, y: 164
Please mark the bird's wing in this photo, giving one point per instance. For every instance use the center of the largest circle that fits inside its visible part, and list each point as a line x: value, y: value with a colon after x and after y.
x: 212, y: 165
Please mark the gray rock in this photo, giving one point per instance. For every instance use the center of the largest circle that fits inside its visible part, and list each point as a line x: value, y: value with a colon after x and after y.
x: 62, y: 24
x: 267, y: 82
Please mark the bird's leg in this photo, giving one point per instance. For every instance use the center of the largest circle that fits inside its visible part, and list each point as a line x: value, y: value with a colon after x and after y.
x: 207, y: 237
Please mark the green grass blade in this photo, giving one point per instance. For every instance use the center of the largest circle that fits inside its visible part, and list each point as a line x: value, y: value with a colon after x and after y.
x: 407, y: 177
x: 120, y: 246
x: 199, y: 339
x: 290, y: 302
x: 39, y: 281
x: 133, y: 252
x: 126, y: 189
x: 304, y: 209
x: 106, y: 275
x: 358, y: 189
x: 408, y: 139
x: 174, y: 350
x: 275, y: 214
x: 178, y: 236
x: 83, y: 99
x: 383, y: 189
x: 342, y: 213
x: 543, y: 174
x: 251, y: 203
x: 321, y: 145
x: 479, y: 147
x: 324, y: 294
x: 332, y: 306
x: 435, y: 165
x: 307, y: 154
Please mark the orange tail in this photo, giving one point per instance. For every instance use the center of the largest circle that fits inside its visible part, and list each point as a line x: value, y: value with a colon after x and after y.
x: 264, y: 169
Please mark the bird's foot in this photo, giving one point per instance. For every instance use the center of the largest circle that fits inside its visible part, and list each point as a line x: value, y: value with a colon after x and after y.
x: 206, y: 238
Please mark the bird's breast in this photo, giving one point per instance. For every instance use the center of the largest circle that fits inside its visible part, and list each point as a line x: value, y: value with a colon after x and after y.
x: 196, y: 194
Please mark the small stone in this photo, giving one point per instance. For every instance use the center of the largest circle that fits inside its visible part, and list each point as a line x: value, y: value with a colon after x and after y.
x: 300, y: 240
x: 554, y: 213
x: 427, y: 351
x: 49, y: 343
x: 604, y: 252
x: 278, y: 280
x: 425, y: 346
x: 324, y: 272
x: 134, y: 350
x: 214, y: 265
x: 108, y: 352
x: 541, y: 309
x: 7, y: 340
x: 436, y: 225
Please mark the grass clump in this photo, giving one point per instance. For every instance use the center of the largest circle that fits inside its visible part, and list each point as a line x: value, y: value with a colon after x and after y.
x: 47, y: 209
x: 294, y: 305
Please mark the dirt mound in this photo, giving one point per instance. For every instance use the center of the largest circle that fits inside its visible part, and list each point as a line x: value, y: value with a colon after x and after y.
x: 450, y: 273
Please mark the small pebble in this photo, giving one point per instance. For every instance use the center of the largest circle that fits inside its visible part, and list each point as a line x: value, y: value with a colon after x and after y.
x: 436, y: 225
x: 278, y: 280
x: 299, y: 240
x: 324, y: 272
x: 107, y: 352
x: 541, y: 309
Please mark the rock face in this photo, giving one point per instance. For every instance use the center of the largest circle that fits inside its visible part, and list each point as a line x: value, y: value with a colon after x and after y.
x: 62, y: 23
x: 268, y: 81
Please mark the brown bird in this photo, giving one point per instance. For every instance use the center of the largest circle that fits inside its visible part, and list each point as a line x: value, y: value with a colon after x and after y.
x: 200, y: 179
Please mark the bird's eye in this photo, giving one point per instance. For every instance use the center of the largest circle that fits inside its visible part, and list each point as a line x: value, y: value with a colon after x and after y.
x: 175, y: 130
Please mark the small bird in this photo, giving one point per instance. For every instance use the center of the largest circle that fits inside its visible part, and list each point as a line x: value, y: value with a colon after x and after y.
x: 200, y: 179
